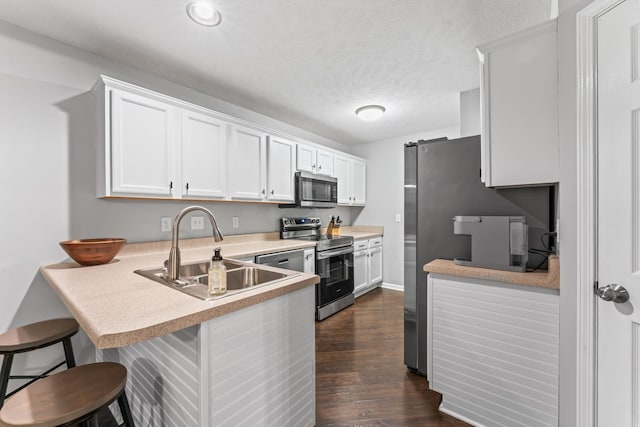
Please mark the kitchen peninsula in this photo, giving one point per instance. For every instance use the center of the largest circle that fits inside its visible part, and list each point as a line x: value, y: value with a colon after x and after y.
x: 244, y: 359
x: 493, y: 343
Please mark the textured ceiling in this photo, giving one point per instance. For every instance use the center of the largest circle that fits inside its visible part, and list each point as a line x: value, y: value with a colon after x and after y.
x: 306, y: 62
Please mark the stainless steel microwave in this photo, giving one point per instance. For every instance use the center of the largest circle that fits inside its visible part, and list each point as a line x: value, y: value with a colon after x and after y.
x: 314, y: 191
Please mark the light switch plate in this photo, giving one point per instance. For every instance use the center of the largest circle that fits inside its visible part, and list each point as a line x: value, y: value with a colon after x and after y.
x: 197, y: 223
x: 236, y: 222
x: 398, y: 218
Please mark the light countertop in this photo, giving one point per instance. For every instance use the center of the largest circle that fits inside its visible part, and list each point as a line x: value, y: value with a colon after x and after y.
x: 117, y: 307
x: 544, y: 279
x: 361, y: 232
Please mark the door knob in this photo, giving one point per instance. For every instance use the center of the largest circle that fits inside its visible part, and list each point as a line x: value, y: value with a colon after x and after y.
x: 613, y: 292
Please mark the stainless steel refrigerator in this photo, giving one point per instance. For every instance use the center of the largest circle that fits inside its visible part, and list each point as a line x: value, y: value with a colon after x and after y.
x: 442, y: 180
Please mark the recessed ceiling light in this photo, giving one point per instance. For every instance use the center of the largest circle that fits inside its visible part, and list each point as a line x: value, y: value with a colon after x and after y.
x: 370, y: 112
x: 204, y: 13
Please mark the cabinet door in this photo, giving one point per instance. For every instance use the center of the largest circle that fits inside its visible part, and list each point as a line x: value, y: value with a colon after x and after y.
x: 358, y: 183
x: 325, y: 163
x: 519, y: 91
x: 143, y: 144
x: 203, y: 155
x: 375, y: 266
x: 281, y: 161
x: 342, y: 171
x: 247, y: 164
x: 310, y: 261
x: 360, y: 272
x: 306, y: 158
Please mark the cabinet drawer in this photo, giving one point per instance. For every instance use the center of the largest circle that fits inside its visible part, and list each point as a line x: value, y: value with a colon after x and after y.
x: 360, y: 244
x: 375, y: 243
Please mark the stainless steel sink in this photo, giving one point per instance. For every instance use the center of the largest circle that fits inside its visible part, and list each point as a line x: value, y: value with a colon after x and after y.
x: 194, y: 278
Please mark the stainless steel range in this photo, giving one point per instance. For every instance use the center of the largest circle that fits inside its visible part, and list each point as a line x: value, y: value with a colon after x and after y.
x: 334, y: 263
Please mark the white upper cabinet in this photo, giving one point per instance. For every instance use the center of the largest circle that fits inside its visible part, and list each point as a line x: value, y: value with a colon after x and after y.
x: 311, y: 159
x: 143, y: 145
x: 281, y: 167
x: 519, y: 93
x: 156, y: 146
x: 359, y: 182
x: 352, y: 180
x: 247, y: 163
x: 203, y: 155
x: 342, y: 171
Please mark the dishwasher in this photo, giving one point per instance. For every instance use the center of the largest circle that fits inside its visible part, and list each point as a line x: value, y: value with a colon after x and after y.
x: 290, y: 260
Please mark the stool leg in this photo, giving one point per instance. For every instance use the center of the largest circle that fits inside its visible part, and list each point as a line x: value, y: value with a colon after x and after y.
x: 4, y: 376
x: 123, y: 403
x: 68, y: 353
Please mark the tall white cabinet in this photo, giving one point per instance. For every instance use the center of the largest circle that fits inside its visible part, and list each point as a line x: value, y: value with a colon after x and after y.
x: 519, y: 93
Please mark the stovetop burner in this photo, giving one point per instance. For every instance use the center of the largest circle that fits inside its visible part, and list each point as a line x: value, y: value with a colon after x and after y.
x: 309, y: 229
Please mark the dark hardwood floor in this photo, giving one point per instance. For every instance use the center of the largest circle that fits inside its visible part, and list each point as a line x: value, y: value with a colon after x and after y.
x: 361, y: 379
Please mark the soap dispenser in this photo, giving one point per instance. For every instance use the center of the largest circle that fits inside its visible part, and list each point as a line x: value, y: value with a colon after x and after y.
x: 217, y: 275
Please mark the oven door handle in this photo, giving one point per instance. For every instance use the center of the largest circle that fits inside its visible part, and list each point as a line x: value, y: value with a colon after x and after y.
x: 329, y: 254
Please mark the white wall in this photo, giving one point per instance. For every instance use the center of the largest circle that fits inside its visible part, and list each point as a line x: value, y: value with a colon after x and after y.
x: 470, y: 112
x: 48, y: 171
x: 385, y: 195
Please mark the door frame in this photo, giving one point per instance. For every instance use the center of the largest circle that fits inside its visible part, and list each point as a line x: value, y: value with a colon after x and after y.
x: 587, y: 198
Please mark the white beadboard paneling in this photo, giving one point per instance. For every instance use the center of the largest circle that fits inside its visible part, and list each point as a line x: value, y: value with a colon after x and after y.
x: 163, y: 379
x: 261, y: 364
x: 494, y: 351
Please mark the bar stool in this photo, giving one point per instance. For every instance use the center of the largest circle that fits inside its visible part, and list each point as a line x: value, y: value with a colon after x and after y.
x: 69, y: 397
x: 31, y: 337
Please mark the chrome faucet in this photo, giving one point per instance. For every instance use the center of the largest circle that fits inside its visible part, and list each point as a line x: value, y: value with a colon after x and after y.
x: 173, y: 267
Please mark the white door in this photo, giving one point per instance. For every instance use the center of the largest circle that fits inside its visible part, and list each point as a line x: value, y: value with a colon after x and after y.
x: 143, y: 144
x: 358, y: 183
x: 281, y: 166
x: 247, y: 164
x: 203, y: 155
x: 342, y: 171
x: 360, y: 272
x: 375, y: 266
x: 310, y: 261
x: 306, y: 159
x: 325, y: 163
x: 618, y: 339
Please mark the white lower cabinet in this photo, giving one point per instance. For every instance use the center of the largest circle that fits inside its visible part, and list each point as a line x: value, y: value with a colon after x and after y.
x: 310, y: 261
x: 367, y: 265
x: 492, y: 350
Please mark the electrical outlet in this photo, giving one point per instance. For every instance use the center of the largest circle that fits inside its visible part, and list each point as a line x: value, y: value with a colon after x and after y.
x: 398, y: 218
x: 197, y: 223
x: 165, y: 224
x: 236, y: 222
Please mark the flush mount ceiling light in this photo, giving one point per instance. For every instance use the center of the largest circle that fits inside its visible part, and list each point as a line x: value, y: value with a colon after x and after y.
x: 370, y: 112
x: 204, y: 13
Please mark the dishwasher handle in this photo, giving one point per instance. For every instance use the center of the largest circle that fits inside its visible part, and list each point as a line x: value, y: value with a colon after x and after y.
x: 279, y: 258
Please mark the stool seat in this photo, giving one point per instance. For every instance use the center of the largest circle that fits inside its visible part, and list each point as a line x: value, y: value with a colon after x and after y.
x: 66, y: 396
x: 36, y: 335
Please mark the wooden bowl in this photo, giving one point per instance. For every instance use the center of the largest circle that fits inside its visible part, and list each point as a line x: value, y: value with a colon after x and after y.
x: 93, y: 251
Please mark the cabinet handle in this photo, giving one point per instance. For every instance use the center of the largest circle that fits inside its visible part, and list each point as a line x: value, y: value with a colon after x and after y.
x: 264, y: 191
x: 170, y: 187
x: 187, y: 187
x: 272, y: 192
x: 313, y: 166
x: 319, y: 167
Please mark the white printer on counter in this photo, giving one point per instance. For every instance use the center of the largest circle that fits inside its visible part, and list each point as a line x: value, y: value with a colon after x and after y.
x: 498, y: 242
